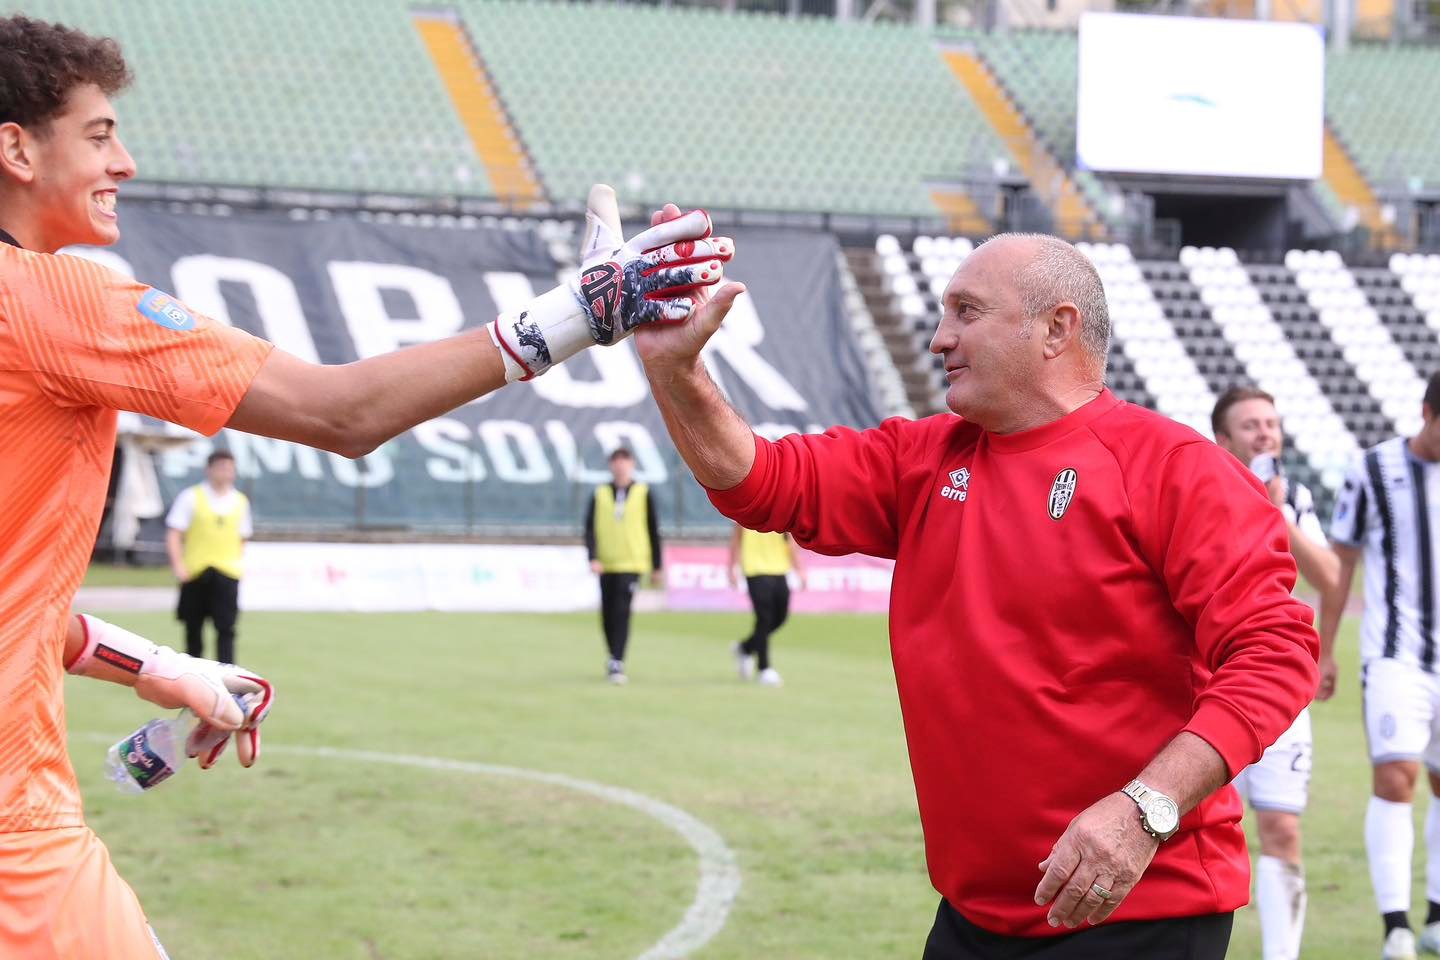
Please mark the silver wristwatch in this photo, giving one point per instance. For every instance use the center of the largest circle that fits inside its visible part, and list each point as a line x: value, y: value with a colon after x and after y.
x: 1159, y: 815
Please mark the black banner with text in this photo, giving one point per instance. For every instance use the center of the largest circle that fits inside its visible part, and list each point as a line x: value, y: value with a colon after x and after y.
x: 526, y: 457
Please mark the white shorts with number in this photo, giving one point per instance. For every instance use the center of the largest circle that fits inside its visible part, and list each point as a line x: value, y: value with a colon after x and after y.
x: 1402, y: 711
x: 1280, y: 779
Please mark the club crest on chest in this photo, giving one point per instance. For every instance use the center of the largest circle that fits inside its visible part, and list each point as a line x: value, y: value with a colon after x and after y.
x: 1062, y: 492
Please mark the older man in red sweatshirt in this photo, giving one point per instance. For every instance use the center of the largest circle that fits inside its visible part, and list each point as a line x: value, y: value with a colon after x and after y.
x: 1091, y: 620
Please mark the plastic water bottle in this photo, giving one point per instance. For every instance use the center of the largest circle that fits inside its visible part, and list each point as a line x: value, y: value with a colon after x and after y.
x: 1266, y: 467
x: 150, y: 755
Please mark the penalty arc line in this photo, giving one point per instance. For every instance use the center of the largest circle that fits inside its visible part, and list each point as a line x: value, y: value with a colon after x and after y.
x: 719, y: 873
x: 719, y: 882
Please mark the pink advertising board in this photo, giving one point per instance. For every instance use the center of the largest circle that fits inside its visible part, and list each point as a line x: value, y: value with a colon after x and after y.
x: 696, y: 578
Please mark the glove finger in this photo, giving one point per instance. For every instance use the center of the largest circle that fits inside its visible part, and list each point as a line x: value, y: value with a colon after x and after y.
x: 210, y: 757
x: 255, y: 695
x: 240, y: 683
x: 210, y: 700
x: 676, y: 310
x: 694, y: 225
x: 678, y: 281
x: 602, y: 223
x: 247, y: 747
x: 206, y: 742
x: 690, y: 251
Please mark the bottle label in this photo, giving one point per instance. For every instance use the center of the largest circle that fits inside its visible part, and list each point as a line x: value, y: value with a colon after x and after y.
x: 146, y: 767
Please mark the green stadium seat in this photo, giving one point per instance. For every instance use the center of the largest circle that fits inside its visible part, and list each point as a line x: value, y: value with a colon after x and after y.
x: 1378, y: 99
x: 802, y: 114
x: 327, y: 94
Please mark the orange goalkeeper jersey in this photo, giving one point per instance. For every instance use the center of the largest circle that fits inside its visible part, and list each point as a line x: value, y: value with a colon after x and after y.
x: 77, y: 343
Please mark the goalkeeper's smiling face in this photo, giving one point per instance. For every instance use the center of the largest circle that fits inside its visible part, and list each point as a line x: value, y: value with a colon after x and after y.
x: 69, y: 170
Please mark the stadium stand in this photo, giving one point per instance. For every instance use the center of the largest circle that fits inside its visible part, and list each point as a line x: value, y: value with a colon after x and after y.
x: 1408, y: 299
x: 337, y: 95
x: 1271, y: 361
x: 1072, y: 215
x: 1379, y: 389
x: 1285, y: 295
x: 1377, y: 98
x: 321, y: 78
x: 1038, y: 68
x: 782, y: 99
x: 1143, y: 338
x: 884, y: 376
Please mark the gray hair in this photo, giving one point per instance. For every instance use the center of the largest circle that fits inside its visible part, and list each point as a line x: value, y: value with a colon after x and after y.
x: 1058, y: 273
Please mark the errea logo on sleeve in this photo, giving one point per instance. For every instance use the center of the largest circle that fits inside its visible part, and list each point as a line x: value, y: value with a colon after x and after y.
x: 959, y: 486
x: 165, y: 310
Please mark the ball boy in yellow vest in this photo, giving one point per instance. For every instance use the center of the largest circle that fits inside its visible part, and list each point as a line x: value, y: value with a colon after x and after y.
x: 766, y: 560
x: 208, y: 526
x: 623, y: 539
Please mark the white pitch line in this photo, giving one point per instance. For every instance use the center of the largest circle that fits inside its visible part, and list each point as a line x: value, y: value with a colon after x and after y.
x: 719, y: 873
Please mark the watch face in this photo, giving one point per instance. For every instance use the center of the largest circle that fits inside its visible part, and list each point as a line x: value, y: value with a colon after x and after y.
x: 1163, y: 815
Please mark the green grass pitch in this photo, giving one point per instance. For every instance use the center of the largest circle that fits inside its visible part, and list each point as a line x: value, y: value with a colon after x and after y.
x: 306, y: 858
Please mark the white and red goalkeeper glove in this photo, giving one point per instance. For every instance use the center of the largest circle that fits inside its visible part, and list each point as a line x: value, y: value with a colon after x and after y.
x: 227, y: 699
x: 651, y: 279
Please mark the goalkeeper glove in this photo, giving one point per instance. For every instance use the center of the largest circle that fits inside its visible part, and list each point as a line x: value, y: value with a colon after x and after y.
x: 227, y: 699
x: 653, y: 278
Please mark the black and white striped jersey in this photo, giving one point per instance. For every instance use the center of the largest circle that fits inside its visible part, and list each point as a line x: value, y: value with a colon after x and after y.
x: 1390, y: 507
x: 1299, y: 509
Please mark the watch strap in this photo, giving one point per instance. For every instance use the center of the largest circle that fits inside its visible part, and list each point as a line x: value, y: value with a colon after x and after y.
x: 1137, y: 790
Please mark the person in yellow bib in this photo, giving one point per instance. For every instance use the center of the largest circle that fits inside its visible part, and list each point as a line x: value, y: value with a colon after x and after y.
x: 208, y: 526
x: 766, y: 560
x: 623, y: 539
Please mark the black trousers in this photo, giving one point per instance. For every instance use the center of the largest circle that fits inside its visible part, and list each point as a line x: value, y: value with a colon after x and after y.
x: 1183, y: 938
x: 617, y: 590
x: 215, y: 597
x: 770, y: 596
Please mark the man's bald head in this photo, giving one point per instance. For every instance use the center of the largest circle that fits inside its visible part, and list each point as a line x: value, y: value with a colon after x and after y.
x: 1048, y: 272
x: 1023, y: 331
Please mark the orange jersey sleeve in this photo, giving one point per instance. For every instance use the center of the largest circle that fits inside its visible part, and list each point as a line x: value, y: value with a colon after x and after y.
x: 91, y: 337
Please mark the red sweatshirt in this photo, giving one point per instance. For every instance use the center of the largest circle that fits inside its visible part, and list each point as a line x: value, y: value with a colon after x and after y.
x: 1066, y: 600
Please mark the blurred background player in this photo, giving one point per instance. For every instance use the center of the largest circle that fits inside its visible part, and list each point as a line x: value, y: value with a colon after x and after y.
x: 1247, y: 424
x: 622, y: 536
x: 79, y: 342
x: 207, y: 527
x: 765, y: 560
x: 1388, y: 511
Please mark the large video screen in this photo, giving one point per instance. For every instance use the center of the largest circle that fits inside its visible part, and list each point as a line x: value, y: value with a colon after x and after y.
x: 1180, y: 95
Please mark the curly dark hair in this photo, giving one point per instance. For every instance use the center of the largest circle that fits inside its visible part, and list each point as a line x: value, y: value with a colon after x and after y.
x: 40, y: 63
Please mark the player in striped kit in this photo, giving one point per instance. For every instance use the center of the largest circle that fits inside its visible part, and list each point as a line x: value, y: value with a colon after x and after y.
x: 1388, y: 511
x: 1247, y: 424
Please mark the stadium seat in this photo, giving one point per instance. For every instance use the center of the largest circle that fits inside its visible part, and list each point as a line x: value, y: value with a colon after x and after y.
x: 1312, y: 300
x: 1377, y: 98
x: 285, y: 94
x: 1148, y: 343
x: 1271, y: 362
